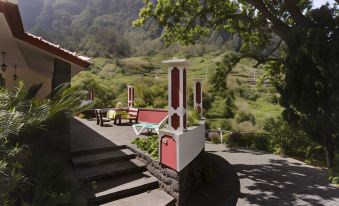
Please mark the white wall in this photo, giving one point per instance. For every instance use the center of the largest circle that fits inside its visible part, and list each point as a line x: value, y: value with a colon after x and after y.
x: 191, y: 143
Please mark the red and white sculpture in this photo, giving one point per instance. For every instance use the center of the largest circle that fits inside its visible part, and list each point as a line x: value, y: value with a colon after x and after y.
x: 197, y: 96
x: 130, y: 97
x: 177, y: 98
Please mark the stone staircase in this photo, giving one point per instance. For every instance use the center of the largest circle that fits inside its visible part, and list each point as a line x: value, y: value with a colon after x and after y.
x: 115, y: 177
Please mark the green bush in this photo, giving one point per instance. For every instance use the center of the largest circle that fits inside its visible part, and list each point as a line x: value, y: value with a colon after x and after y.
x: 245, y: 127
x: 224, y: 124
x: 243, y: 116
x: 246, y: 93
x: 215, y: 140
x: 214, y: 137
x: 193, y: 118
x: 274, y: 99
x: 333, y: 176
x: 248, y: 140
x: 149, y: 145
x: 292, y: 142
x: 226, y: 137
x: 221, y: 108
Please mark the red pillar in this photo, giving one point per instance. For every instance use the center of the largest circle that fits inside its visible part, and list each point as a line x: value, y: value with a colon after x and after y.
x: 197, y: 101
x: 130, y: 97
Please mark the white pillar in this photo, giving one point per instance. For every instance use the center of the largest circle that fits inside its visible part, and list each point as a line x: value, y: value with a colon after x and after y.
x: 130, y: 97
x: 197, y: 101
x: 177, y: 97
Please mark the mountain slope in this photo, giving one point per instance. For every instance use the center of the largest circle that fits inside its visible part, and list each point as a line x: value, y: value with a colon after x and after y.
x: 97, y: 27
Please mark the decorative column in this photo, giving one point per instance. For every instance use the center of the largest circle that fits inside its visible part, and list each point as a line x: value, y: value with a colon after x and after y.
x: 177, y: 100
x: 197, y: 96
x: 130, y: 101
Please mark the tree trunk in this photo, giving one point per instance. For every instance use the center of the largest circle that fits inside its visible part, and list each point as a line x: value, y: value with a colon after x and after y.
x: 330, y: 156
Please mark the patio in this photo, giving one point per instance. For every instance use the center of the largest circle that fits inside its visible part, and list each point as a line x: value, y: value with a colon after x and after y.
x: 86, y: 134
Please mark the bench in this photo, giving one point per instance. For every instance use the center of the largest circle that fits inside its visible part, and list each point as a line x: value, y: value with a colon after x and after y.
x: 150, y: 119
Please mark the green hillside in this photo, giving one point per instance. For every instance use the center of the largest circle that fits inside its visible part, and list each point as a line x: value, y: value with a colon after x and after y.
x: 127, y: 55
x: 110, y: 78
x: 99, y: 28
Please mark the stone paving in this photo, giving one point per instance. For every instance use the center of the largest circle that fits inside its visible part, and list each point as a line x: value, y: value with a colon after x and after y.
x: 265, y: 179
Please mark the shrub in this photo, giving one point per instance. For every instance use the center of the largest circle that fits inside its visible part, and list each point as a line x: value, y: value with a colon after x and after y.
x: 246, y: 93
x: 226, y: 137
x: 333, y: 176
x: 246, y: 127
x: 292, y: 142
x: 193, y: 118
x: 214, y: 137
x: 221, y: 108
x: 258, y: 141
x: 249, y: 140
x: 233, y: 139
x: 243, y: 116
x: 215, y: 140
x: 139, y: 104
x: 274, y: 99
x: 82, y: 116
x: 224, y: 124
x: 149, y: 145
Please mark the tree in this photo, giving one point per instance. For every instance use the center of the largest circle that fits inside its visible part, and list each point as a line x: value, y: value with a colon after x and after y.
x: 294, y: 38
x: 219, y: 77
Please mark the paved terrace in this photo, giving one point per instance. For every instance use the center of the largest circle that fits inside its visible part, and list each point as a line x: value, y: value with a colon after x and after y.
x: 236, y: 176
x: 86, y: 134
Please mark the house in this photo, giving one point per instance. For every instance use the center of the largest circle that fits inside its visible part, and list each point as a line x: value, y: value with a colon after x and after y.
x: 34, y: 60
x: 31, y: 58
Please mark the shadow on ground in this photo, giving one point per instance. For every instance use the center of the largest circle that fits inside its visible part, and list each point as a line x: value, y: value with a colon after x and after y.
x: 281, y: 182
x: 222, y: 187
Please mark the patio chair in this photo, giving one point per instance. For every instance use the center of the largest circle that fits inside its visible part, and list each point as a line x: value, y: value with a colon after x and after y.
x: 101, y: 117
x: 133, y: 114
x: 149, y: 126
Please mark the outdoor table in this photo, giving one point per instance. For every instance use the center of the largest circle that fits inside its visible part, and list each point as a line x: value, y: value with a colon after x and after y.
x: 117, y: 114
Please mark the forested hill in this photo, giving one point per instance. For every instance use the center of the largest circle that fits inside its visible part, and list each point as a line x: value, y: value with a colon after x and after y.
x: 96, y: 27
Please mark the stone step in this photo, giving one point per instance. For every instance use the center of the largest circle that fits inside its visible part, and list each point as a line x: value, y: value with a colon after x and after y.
x: 103, y: 157
x: 108, y: 170
x: 117, y: 188
x: 96, y: 149
x: 155, y: 197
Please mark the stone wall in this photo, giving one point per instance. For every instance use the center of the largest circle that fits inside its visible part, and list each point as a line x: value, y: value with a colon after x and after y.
x: 179, y: 185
